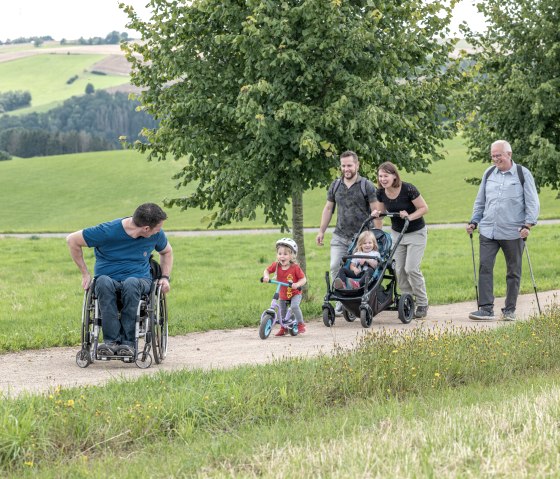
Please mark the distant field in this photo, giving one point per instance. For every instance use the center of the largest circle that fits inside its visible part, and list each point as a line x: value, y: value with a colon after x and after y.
x: 45, y: 76
x: 68, y: 192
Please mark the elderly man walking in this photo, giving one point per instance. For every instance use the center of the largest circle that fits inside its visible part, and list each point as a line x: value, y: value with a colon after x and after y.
x: 505, y: 209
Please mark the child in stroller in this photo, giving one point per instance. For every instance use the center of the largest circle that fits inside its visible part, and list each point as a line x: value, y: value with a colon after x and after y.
x: 360, y: 269
x: 378, y: 291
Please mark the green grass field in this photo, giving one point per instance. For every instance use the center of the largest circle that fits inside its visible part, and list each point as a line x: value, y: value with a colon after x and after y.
x: 463, y: 404
x: 431, y: 404
x: 41, y: 298
x: 45, y: 76
x: 68, y: 192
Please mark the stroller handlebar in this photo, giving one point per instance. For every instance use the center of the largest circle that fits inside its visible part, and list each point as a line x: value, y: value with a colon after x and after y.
x: 360, y: 256
x: 389, y: 214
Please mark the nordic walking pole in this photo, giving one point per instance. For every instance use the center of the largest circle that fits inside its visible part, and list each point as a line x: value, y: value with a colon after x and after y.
x: 532, y: 276
x: 474, y: 271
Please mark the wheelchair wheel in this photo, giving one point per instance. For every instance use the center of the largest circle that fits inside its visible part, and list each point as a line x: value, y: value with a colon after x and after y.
x: 87, y: 329
x: 83, y: 358
x: 406, y: 308
x: 144, y: 360
x: 159, y: 325
x: 265, y: 328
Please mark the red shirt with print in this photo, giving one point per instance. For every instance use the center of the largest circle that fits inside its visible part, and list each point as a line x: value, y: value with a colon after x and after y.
x: 294, y: 273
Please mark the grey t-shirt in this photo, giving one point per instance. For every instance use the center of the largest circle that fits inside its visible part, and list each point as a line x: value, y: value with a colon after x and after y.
x: 351, y: 206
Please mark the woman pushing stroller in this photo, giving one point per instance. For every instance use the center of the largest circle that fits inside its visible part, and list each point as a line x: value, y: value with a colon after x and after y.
x: 395, y: 195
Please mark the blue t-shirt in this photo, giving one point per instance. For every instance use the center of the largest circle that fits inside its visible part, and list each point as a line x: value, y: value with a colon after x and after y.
x: 120, y: 256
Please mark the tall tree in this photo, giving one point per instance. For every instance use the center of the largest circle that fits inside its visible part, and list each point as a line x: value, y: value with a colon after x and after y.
x: 261, y: 96
x: 516, y: 95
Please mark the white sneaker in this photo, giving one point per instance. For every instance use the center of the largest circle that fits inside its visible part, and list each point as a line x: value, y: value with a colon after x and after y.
x: 338, y: 309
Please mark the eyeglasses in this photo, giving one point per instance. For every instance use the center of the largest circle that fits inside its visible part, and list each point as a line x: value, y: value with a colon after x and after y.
x: 496, y: 157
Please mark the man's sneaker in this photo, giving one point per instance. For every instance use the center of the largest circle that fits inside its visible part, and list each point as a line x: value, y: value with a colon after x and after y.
x: 339, y: 284
x: 301, y: 328
x: 508, y: 316
x: 421, y: 312
x: 105, y: 349
x: 482, y: 315
x: 281, y: 332
x: 125, y: 350
x: 353, y: 284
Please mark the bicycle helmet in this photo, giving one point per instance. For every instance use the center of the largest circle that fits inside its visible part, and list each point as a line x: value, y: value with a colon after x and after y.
x: 289, y: 242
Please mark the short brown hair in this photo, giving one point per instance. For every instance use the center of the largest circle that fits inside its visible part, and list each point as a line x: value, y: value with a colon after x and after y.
x: 149, y: 214
x: 390, y: 168
x: 350, y: 153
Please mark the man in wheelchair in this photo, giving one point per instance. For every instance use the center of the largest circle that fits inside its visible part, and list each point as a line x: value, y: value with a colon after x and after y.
x: 122, y: 249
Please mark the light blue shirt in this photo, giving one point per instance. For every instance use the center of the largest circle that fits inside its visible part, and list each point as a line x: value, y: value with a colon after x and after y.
x: 503, y: 205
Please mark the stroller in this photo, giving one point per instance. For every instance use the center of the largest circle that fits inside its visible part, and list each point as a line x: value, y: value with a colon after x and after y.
x: 380, y: 291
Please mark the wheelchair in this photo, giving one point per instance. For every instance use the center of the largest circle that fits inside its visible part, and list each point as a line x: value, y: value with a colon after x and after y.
x: 150, y: 339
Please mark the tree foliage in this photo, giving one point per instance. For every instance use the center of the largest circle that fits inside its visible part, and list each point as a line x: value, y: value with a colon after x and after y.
x: 516, y: 94
x: 112, y: 38
x: 261, y: 96
x: 91, y: 122
x: 12, y: 100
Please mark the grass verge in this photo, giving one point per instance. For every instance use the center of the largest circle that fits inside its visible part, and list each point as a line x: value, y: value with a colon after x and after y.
x: 425, y: 404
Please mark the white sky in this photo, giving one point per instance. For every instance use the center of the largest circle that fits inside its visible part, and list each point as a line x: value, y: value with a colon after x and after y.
x: 72, y: 19
x: 465, y: 11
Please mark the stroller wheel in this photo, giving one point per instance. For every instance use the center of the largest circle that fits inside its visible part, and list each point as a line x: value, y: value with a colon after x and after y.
x: 348, y: 316
x: 328, y: 316
x: 366, y: 316
x: 406, y: 308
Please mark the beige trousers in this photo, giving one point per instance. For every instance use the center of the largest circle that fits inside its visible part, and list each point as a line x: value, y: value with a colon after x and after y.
x: 408, y: 257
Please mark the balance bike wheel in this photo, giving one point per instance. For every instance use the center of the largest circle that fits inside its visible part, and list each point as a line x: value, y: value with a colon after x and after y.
x: 265, y: 328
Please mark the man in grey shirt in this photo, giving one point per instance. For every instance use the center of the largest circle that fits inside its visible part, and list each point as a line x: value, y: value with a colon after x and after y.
x: 505, y: 210
x: 355, y: 198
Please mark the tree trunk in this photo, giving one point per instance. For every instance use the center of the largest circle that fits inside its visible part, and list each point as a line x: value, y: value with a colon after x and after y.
x: 297, y: 229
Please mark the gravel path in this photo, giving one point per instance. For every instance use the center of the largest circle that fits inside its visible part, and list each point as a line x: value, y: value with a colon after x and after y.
x: 42, y: 370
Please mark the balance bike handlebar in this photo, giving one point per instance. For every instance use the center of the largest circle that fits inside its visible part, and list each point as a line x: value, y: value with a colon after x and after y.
x: 273, y: 281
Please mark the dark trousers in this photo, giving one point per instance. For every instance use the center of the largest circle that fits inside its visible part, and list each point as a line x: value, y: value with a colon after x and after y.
x: 131, y: 290
x: 513, y: 253
x: 362, y: 277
